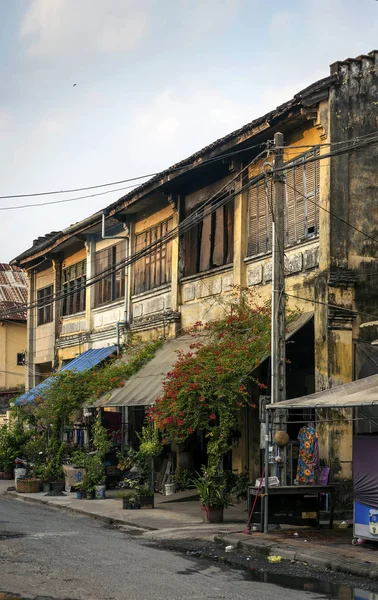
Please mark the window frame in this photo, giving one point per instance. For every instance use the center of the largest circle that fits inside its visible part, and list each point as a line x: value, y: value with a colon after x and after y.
x: 45, y: 312
x: 260, y: 197
x: 212, y: 229
x: 112, y: 285
x: 73, y: 280
x: 155, y: 268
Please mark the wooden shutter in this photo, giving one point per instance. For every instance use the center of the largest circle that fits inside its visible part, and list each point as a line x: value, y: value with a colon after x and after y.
x: 205, y: 244
x: 218, y: 236
x: 311, y: 178
x: 229, y: 229
x: 260, y: 219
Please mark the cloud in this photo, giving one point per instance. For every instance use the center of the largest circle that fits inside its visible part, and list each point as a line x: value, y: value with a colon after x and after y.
x: 54, y: 28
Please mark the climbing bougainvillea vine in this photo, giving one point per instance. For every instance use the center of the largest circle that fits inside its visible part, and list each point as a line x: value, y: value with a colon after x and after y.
x: 209, y: 384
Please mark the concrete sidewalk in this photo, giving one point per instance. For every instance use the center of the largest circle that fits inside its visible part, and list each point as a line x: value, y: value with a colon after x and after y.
x: 178, y: 517
x: 170, y: 517
x: 330, y: 549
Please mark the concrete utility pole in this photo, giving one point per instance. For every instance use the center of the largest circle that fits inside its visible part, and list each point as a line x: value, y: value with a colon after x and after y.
x: 278, y: 278
x: 278, y: 330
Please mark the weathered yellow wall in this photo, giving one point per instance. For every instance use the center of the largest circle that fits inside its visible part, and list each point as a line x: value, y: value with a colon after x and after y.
x: 143, y: 222
x: 72, y: 259
x: 70, y: 353
x: 12, y: 342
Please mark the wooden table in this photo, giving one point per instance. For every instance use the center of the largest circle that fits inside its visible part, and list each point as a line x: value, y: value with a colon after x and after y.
x: 291, y: 505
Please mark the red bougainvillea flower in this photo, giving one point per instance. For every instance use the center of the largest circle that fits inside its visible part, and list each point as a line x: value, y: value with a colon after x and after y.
x: 212, y: 416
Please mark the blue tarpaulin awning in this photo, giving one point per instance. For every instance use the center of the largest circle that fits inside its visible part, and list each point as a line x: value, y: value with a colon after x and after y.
x: 87, y: 360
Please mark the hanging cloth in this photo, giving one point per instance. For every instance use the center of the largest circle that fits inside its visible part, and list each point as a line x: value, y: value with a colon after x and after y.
x: 308, y: 460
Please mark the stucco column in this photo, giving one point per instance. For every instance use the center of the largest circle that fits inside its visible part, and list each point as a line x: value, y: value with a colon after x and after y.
x: 57, y: 306
x: 30, y: 343
x: 175, y: 289
x: 90, y: 246
x: 240, y: 235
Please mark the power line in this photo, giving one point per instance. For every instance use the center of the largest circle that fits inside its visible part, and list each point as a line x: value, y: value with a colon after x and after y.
x: 170, y: 170
x: 66, y: 199
x: 182, y: 228
x: 367, y: 235
x: 188, y: 223
x: 335, y: 306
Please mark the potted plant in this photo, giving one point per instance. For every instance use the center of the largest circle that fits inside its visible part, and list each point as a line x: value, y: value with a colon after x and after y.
x: 143, y: 493
x: 212, y: 495
x: 129, y: 499
x: 43, y: 473
x: 80, y: 490
x: 145, y: 496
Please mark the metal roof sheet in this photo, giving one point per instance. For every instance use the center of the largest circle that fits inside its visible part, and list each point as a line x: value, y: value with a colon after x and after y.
x: 145, y: 386
x: 13, y: 292
x: 87, y: 360
x: 363, y: 392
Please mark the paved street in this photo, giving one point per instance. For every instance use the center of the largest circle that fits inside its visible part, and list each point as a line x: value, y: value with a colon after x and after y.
x: 75, y: 558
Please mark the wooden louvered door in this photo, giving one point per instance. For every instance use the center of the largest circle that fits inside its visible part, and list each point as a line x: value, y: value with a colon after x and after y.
x: 311, y: 184
x: 260, y: 219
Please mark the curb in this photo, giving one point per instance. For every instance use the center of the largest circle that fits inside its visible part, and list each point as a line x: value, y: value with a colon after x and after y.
x: 78, y: 511
x: 315, y: 558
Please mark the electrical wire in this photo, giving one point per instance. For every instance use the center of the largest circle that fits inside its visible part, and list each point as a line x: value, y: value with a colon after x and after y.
x: 192, y: 220
x: 169, y: 170
x: 182, y: 228
x: 37, y: 204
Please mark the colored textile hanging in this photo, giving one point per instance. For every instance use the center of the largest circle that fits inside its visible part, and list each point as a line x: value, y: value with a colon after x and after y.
x: 308, y: 460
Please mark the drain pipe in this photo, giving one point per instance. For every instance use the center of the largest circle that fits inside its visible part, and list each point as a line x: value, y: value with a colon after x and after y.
x: 126, y: 239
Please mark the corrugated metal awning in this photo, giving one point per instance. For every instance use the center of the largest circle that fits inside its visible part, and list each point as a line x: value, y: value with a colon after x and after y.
x: 144, y: 387
x: 363, y: 392
x: 87, y: 360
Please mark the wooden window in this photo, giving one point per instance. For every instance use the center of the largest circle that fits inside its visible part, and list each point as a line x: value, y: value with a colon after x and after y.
x: 155, y: 268
x: 45, y: 310
x: 111, y: 286
x: 73, y: 287
x: 301, y: 206
x: 210, y: 243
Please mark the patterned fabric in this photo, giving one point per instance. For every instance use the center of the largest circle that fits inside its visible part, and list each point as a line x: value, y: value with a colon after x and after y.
x: 308, y: 460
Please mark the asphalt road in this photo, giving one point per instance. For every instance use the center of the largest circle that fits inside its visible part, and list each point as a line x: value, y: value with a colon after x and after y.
x: 49, y: 554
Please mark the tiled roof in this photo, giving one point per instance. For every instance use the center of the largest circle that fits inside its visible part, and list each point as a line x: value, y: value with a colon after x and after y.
x: 13, y: 291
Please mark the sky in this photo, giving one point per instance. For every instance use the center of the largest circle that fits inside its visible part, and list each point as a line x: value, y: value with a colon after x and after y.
x: 96, y: 91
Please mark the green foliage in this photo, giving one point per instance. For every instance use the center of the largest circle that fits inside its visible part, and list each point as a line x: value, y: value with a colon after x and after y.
x: 211, y: 487
x: 132, y: 458
x: 149, y: 440
x: 129, y: 495
x: 183, y: 478
x: 236, y: 484
x: 13, y: 439
x: 209, y: 384
x: 61, y: 404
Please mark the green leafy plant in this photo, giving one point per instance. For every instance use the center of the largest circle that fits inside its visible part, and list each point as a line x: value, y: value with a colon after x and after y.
x: 127, y: 495
x: 150, y: 444
x: 183, y: 478
x: 211, y: 488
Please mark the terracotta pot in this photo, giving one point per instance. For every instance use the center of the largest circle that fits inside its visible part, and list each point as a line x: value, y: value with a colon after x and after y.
x: 1, y: 474
x: 7, y: 475
x: 212, y: 515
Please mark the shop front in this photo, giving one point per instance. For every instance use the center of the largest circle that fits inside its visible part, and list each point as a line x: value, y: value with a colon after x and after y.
x: 356, y: 402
